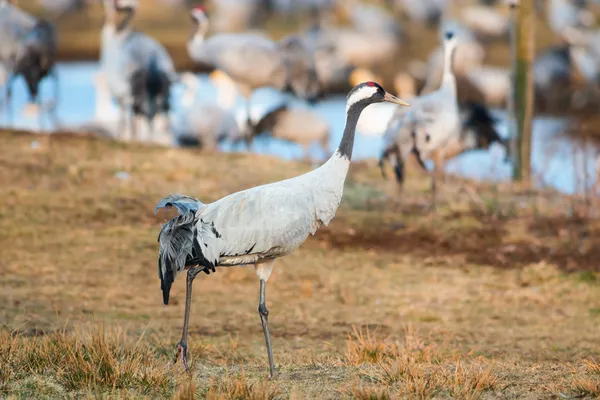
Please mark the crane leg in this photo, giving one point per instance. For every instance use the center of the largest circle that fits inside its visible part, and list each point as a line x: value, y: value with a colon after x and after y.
x: 264, y: 318
x: 52, y: 110
x: 263, y: 271
x: 182, y: 345
x: 434, y: 191
x: 9, y: 105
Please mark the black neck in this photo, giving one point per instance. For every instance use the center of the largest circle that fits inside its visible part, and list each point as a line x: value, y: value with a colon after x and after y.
x: 347, y: 142
x: 126, y: 21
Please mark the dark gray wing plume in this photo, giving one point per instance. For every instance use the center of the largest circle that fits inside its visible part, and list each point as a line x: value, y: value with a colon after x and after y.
x: 177, y: 241
x: 482, y: 122
x: 182, y: 202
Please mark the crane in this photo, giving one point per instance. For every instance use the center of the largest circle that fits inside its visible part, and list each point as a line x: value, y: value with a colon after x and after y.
x: 478, y: 132
x: 433, y: 123
x: 207, y: 124
x: 254, y: 61
x: 138, y: 69
x: 28, y: 49
x: 257, y: 225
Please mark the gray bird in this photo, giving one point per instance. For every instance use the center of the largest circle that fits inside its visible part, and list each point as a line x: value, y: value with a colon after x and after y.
x: 28, y: 49
x: 432, y: 124
x: 206, y: 124
x: 478, y: 132
x: 254, y: 61
x: 139, y: 71
x: 258, y: 225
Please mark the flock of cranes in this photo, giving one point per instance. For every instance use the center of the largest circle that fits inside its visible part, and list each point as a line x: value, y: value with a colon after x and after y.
x: 261, y: 224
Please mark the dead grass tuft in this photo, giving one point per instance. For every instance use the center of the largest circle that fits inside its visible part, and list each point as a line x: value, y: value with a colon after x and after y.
x: 369, y: 392
x: 586, y: 379
x: 413, y: 369
x: 238, y: 387
x: 364, y: 347
x: 105, y: 359
x: 186, y: 391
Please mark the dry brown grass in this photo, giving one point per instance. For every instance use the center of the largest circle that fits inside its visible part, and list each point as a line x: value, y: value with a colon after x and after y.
x: 416, y: 370
x: 61, y: 362
x: 389, y: 301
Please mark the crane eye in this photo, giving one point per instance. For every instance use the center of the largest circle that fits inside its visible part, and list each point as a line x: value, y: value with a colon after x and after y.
x: 427, y: 138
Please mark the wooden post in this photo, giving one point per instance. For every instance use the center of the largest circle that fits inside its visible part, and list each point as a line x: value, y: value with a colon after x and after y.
x: 511, y: 124
x: 523, y: 90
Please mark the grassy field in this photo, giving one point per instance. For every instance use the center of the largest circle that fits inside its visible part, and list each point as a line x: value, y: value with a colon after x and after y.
x: 494, y: 296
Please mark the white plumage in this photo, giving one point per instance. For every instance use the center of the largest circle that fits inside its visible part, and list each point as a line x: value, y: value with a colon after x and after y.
x: 139, y: 71
x: 434, y: 116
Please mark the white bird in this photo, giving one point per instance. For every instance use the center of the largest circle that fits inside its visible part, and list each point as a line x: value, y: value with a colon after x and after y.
x: 254, y: 61
x: 469, y: 55
x: 28, y: 48
x: 257, y: 225
x: 207, y: 124
x: 138, y: 69
x: 431, y: 124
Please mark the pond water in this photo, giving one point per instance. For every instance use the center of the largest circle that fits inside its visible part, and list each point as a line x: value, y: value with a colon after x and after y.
x: 558, y: 161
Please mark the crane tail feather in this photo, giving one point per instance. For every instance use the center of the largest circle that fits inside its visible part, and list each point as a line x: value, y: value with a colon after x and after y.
x: 176, y: 240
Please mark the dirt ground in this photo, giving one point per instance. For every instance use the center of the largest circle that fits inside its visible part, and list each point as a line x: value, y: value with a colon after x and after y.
x: 495, y: 295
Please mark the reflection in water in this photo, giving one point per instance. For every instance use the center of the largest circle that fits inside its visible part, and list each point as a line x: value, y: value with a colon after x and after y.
x: 558, y: 161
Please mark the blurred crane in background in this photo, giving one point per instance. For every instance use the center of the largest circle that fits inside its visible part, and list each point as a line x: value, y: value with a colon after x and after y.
x: 28, y: 48
x: 139, y: 73
x: 206, y: 124
x: 431, y: 127
x: 253, y: 61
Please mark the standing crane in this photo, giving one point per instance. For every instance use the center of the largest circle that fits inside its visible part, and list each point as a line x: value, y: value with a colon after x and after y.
x: 27, y: 48
x: 254, y: 61
x: 432, y: 124
x: 138, y: 69
x: 257, y: 225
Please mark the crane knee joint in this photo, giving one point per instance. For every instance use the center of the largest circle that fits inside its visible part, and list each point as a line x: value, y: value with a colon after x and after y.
x: 262, y: 310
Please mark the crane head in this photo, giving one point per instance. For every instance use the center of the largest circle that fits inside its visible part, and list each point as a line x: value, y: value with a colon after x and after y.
x: 198, y: 14
x: 368, y: 93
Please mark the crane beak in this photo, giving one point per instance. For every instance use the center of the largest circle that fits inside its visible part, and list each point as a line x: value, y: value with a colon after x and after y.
x: 395, y: 100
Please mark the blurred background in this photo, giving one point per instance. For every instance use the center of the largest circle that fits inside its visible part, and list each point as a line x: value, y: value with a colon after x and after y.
x: 394, y: 42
